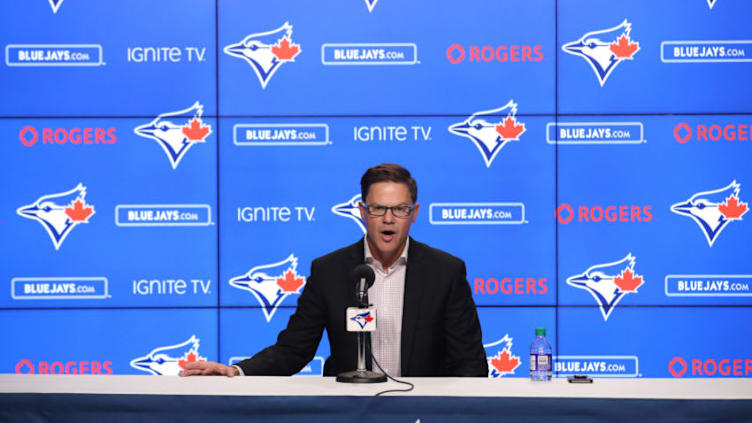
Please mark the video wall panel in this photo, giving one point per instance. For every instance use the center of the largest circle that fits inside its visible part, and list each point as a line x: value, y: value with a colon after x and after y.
x: 167, y: 164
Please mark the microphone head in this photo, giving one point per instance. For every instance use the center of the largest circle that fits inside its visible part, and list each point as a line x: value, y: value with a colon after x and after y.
x: 362, y: 271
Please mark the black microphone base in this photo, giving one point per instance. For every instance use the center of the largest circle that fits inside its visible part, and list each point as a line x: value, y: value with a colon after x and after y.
x: 358, y: 376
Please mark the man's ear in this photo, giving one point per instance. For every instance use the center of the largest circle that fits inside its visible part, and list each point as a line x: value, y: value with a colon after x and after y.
x: 415, y: 213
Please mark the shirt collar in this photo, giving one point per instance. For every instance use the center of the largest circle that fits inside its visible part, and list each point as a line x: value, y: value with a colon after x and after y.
x: 401, y: 260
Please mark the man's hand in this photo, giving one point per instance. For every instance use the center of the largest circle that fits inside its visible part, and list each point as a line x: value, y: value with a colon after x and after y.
x: 208, y: 368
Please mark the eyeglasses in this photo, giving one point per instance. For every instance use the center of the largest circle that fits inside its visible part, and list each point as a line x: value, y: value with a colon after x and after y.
x: 397, y: 211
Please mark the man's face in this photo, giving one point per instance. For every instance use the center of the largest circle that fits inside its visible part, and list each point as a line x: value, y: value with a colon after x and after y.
x: 387, y: 234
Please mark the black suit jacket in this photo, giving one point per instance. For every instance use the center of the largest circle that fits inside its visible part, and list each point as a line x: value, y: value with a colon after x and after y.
x: 441, y: 334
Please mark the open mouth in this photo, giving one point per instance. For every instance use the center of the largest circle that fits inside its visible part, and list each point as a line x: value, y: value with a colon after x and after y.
x: 387, y: 235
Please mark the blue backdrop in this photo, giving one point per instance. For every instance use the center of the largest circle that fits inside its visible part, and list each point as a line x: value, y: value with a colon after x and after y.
x: 172, y: 168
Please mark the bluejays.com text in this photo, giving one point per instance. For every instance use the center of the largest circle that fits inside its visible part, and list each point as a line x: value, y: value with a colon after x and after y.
x: 161, y: 216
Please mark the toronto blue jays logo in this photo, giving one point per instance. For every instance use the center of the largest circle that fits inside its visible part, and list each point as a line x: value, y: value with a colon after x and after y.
x: 501, y: 360
x: 271, y: 283
x: 55, y: 4
x: 604, y: 50
x: 176, y: 132
x: 350, y: 210
x: 266, y: 52
x: 488, y: 132
x: 59, y: 213
x: 371, y: 4
x: 609, y: 282
x: 362, y: 319
x: 713, y: 210
x: 169, y: 360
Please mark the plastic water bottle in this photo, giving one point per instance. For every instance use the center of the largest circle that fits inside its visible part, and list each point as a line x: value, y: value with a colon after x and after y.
x: 540, y: 357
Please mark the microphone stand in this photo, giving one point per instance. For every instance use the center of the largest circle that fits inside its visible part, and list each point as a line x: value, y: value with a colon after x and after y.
x: 361, y: 375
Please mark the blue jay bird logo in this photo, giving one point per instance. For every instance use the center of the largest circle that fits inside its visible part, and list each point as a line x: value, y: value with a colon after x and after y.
x: 362, y: 319
x: 371, y: 4
x: 609, y: 282
x: 175, y: 134
x: 59, y: 213
x: 271, y: 283
x: 350, y: 210
x: 55, y: 4
x: 501, y: 360
x: 488, y: 133
x: 713, y: 210
x: 605, y: 49
x: 266, y: 52
x: 169, y: 360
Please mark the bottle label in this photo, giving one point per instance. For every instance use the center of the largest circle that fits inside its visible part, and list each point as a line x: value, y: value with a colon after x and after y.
x: 533, y: 359
x: 544, y: 362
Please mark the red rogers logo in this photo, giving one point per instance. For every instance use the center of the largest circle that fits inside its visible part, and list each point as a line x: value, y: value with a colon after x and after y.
x: 711, y: 367
x: 29, y: 136
x: 684, y: 133
x: 565, y: 213
x: 69, y: 368
x: 504, y: 53
x: 510, y: 286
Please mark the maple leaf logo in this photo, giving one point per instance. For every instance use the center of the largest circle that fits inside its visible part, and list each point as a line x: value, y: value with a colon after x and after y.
x: 79, y: 211
x: 624, y: 48
x: 501, y: 361
x: 286, y: 51
x: 175, y: 140
x: 195, y: 130
x: 510, y: 130
x: 504, y: 362
x: 290, y: 283
x: 189, y: 358
x: 368, y: 318
x: 732, y: 208
x: 489, y: 132
x: 271, y: 283
x: 628, y: 281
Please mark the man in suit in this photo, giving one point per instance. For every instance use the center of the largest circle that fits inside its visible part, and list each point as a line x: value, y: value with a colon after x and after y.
x: 427, y: 322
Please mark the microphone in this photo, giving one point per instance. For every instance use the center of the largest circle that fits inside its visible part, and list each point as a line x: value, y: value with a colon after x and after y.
x: 363, y: 276
x: 362, y: 320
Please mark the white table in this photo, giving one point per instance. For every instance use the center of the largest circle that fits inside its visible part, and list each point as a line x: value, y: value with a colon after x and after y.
x: 309, y: 399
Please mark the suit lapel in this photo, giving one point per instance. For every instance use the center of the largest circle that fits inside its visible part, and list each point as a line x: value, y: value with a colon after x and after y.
x: 411, y: 307
x: 357, y: 253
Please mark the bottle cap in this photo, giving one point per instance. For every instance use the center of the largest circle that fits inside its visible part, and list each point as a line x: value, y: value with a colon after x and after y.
x: 540, y: 331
